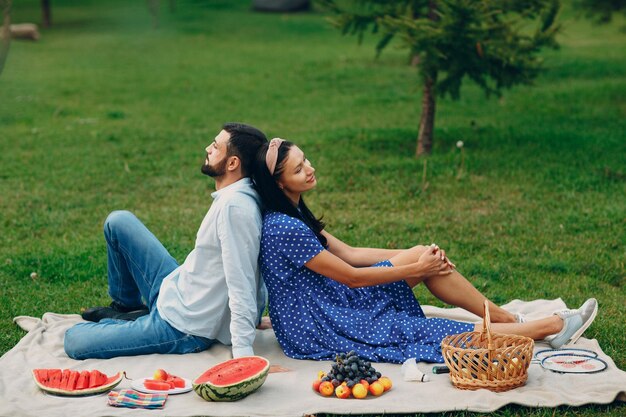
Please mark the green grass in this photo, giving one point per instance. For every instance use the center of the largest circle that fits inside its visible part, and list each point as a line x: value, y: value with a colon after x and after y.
x: 107, y: 113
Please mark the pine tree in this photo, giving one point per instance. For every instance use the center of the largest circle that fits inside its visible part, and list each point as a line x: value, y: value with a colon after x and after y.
x: 493, y: 42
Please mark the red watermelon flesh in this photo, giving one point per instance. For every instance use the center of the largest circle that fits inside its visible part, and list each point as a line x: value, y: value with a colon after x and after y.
x: 178, y: 382
x: 157, y: 385
x: 42, y: 374
x: 54, y: 377
x: 65, y: 377
x: 102, y: 378
x: 229, y: 374
x: 71, y: 383
x: 96, y: 378
x: 83, y: 380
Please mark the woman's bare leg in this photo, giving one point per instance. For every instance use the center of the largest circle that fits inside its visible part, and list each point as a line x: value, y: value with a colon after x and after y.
x: 453, y: 289
x: 536, y: 329
x: 456, y: 290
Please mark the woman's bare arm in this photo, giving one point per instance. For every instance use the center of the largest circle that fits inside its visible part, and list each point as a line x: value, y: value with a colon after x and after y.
x: 333, y: 267
x: 357, y: 257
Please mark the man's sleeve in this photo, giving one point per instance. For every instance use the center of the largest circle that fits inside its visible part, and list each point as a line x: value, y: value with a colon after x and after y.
x: 240, y: 235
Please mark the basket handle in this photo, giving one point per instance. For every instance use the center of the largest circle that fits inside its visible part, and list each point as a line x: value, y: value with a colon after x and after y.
x: 487, y: 329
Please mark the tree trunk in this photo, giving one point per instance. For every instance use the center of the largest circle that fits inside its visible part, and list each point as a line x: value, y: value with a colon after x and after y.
x: 153, y: 7
x: 427, y: 120
x: 5, y: 38
x: 415, y: 60
x: 46, y: 13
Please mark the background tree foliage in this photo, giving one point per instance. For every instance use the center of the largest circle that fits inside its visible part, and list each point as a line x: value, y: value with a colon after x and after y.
x: 602, y: 10
x: 493, y: 42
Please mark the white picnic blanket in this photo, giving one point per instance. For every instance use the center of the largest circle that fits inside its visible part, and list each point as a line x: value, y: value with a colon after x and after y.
x: 288, y: 393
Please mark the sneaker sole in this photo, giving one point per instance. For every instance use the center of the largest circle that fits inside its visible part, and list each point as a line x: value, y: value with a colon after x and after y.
x: 584, y: 327
x: 96, y: 314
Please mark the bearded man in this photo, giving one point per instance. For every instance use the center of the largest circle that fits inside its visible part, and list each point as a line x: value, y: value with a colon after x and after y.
x: 216, y: 295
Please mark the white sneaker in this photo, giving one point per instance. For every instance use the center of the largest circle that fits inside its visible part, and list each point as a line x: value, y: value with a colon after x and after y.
x: 520, y: 318
x: 575, y: 322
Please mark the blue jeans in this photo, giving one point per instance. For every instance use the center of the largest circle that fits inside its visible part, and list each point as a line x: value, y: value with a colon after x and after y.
x: 137, y: 264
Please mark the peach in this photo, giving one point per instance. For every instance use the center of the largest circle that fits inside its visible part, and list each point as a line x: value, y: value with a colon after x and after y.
x: 326, y: 388
x: 376, y: 388
x: 359, y: 391
x: 316, y: 385
x: 160, y: 375
x: 386, y: 382
x: 365, y: 384
x: 342, y: 391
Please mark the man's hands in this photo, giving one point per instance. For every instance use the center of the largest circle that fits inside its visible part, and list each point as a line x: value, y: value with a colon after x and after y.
x: 265, y: 323
x: 277, y: 368
x: 434, y: 262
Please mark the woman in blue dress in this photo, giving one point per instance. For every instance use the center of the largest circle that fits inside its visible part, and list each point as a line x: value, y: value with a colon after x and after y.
x: 326, y: 297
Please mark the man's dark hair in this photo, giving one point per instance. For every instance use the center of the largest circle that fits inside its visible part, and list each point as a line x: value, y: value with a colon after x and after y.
x: 244, y: 142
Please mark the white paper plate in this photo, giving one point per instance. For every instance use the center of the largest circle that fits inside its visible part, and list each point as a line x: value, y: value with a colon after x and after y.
x: 137, y: 385
x: 573, y: 364
x: 542, y: 354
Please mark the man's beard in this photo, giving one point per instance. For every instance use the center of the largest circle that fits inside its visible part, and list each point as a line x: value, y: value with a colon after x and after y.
x: 214, y: 171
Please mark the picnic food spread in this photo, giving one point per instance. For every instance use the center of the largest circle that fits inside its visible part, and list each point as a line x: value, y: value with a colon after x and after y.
x: 75, y: 383
x: 351, y: 375
x: 232, y: 380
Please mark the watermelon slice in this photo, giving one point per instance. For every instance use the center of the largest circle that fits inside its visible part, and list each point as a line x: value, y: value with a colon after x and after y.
x: 177, y: 381
x: 73, y: 383
x: 41, y: 374
x: 83, y: 380
x: 153, y: 384
x: 65, y: 377
x: 96, y: 378
x: 54, y: 376
x: 232, y: 380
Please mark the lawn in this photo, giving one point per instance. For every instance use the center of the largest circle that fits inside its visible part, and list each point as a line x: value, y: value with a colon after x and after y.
x: 107, y: 112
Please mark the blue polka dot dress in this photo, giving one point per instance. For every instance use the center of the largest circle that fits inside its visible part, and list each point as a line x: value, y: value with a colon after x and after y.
x: 315, y: 317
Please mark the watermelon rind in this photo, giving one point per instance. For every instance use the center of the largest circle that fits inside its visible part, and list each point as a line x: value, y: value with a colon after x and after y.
x: 235, y: 391
x: 111, y: 383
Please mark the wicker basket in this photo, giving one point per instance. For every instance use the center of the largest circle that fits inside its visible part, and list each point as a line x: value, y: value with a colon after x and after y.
x: 497, y: 362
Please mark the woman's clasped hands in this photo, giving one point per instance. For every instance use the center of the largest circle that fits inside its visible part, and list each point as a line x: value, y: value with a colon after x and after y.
x: 435, y: 262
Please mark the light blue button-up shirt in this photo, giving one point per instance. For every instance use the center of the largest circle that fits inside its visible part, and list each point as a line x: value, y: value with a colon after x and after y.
x: 217, y: 292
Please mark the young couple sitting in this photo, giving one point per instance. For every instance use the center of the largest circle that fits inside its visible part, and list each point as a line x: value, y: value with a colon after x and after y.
x: 325, y: 296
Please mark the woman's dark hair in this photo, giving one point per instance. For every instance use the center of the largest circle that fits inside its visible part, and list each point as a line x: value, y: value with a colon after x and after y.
x: 274, y: 198
x: 244, y: 143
